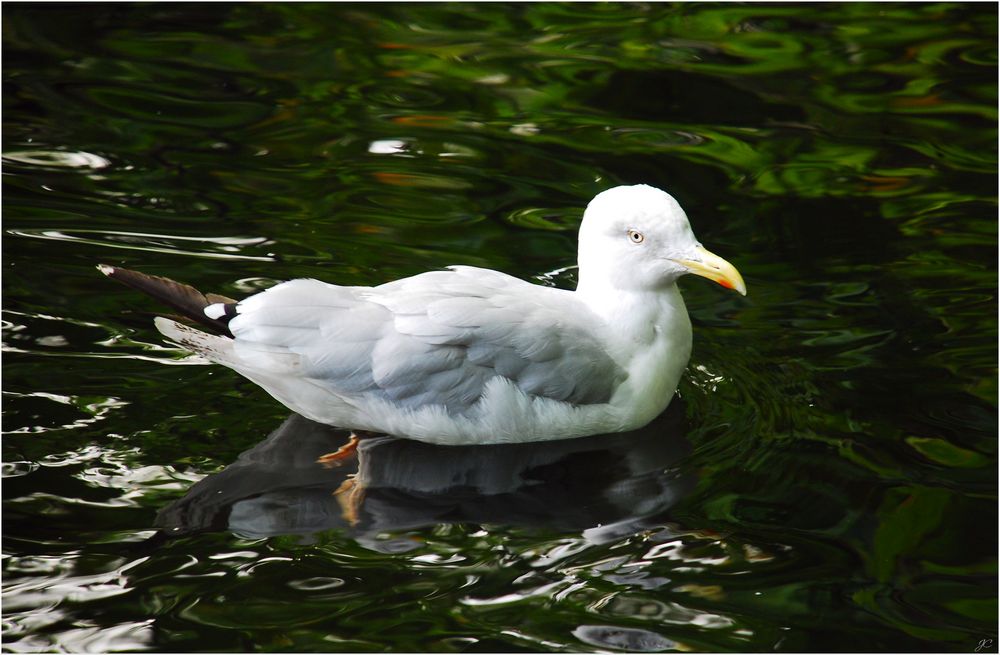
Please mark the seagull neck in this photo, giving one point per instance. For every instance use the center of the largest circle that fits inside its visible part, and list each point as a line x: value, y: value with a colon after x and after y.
x: 631, y: 310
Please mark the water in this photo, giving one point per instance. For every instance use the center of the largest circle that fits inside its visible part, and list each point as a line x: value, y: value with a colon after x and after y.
x: 826, y: 481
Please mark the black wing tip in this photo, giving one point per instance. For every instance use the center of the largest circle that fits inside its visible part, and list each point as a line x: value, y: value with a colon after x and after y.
x: 183, y: 297
x: 222, y: 311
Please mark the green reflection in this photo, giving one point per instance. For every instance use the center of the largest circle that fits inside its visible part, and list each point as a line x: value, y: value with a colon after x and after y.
x: 843, y: 416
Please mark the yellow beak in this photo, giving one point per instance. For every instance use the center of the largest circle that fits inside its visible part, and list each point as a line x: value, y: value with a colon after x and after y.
x: 715, y: 268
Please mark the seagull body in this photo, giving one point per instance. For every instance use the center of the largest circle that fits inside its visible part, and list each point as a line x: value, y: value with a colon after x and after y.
x: 473, y: 356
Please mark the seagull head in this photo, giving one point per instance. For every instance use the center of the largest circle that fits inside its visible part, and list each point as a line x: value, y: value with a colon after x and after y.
x: 637, y: 238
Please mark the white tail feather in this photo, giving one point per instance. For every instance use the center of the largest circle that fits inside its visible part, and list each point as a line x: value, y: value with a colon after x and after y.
x: 216, y: 348
x: 245, y: 357
x: 276, y: 369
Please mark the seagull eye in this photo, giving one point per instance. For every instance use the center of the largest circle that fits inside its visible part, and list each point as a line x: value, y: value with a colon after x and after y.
x: 635, y: 236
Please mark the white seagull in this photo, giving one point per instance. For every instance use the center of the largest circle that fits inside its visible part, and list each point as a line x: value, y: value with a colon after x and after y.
x: 470, y: 355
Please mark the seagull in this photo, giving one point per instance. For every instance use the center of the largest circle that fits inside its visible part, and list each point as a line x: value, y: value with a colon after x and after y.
x: 469, y: 355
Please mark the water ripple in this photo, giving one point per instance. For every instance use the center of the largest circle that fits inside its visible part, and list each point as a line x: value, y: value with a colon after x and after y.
x: 226, y: 247
x: 57, y: 159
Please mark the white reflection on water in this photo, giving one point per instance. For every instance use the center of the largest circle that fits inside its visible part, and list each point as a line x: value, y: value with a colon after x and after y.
x: 95, y: 411
x: 57, y: 158
x: 225, y: 247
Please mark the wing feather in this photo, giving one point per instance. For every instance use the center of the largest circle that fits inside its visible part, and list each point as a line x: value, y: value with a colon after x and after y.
x: 436, y: 338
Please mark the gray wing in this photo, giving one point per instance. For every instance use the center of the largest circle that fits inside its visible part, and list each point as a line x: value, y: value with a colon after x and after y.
x: 436, y: 338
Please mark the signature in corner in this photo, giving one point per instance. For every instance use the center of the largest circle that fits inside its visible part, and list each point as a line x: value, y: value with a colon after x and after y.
x: 984, y: 644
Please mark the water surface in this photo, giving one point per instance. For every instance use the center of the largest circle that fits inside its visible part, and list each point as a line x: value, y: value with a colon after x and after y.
x: 826, y: 479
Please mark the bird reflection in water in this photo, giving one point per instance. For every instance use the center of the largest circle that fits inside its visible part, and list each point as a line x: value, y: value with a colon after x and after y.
x: 604, y: 486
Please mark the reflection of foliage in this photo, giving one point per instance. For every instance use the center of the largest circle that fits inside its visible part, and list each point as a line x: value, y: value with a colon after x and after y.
x: 842, y: 155
x: 861, y: 67
x: 907, y: 517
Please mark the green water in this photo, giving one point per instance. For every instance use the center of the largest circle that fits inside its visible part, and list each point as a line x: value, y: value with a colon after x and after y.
x: 826, y: 481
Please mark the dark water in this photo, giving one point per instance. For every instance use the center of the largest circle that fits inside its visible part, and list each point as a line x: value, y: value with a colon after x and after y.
x: 827, y: 480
